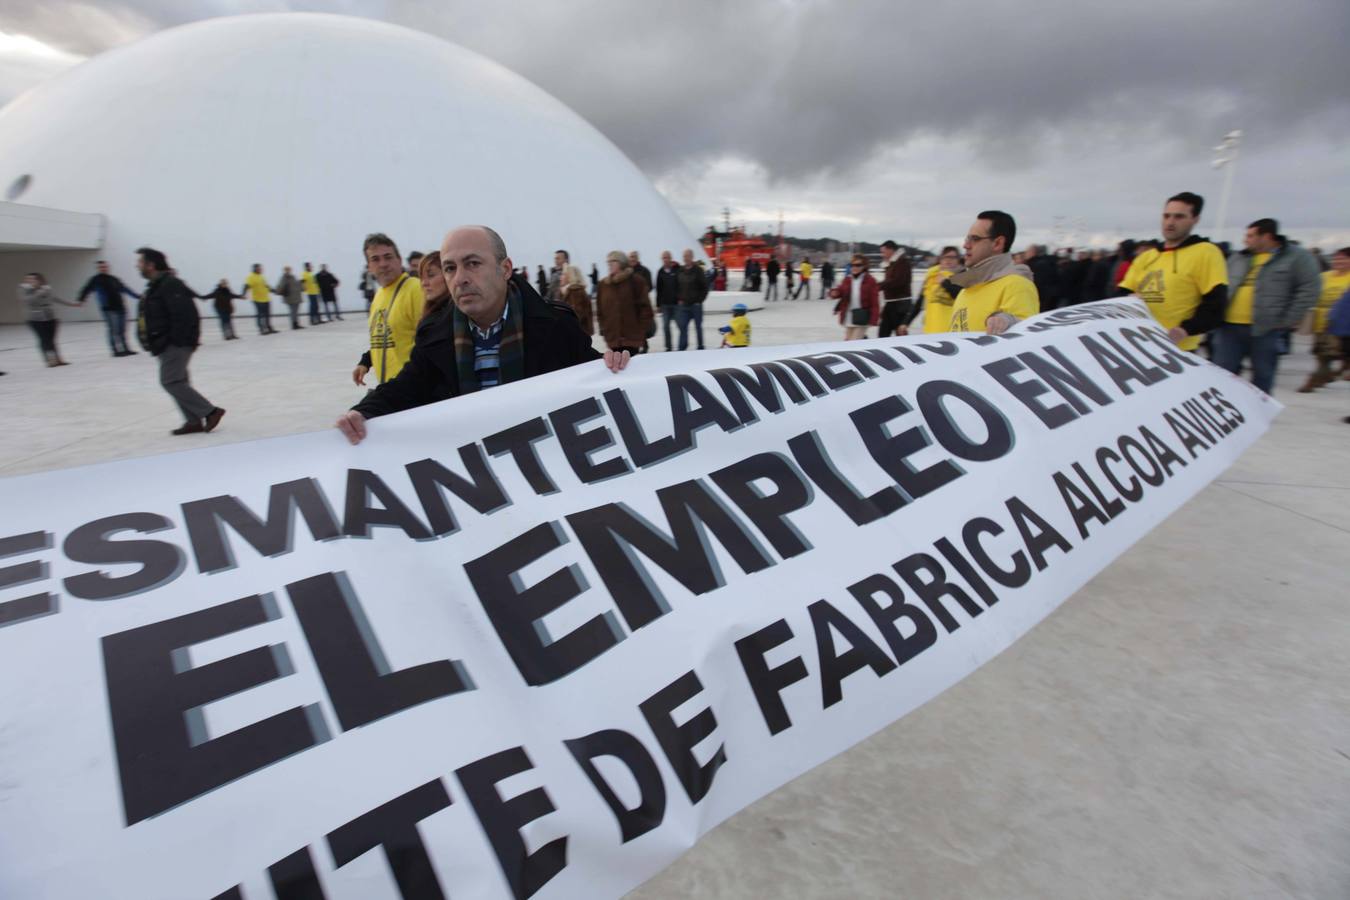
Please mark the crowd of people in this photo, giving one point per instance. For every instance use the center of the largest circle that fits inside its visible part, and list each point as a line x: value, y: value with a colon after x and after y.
x: 464, y: 318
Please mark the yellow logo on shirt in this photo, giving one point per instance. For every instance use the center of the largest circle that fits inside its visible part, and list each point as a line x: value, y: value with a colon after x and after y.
x: 1153, y: 286
x: 381, y: 336
x: 960, y: 321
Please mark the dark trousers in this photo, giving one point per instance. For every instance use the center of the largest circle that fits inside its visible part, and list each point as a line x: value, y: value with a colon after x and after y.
x: 314, y: 317
x: 226, y: 325
x: 173, y: 377
x: 825, y: 288
x: 330, y: 308
x: 262, y: 312
x: 1234, y: 343
x: 667, y: 316
x: 116, y: 320
x: 893, y: 315
x: 46, y: 335
x: 683, y: 316
x: 771, y: 290
x: 294, y: 309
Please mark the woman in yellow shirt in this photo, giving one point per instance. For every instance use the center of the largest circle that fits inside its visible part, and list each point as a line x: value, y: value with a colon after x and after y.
x: 1327, y: 347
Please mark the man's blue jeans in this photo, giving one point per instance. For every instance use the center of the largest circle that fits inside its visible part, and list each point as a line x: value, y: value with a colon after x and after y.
x: 1234, y: 343
x: 117, y: 329
x: 667, y: 316
x: 682, y: 316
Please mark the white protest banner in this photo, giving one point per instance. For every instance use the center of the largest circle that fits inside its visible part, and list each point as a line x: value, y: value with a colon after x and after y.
x: 537, y: 640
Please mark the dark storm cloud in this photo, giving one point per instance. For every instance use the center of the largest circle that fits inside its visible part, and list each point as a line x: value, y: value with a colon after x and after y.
x: 810, y: 88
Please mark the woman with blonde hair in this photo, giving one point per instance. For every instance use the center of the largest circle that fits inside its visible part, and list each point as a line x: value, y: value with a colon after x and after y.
x: 623, y: 308
x: 573, y: 292
x: 434, y: 288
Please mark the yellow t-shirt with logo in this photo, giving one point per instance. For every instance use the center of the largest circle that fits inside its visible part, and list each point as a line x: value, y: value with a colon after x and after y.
x: 739, y: 336
x: 1334, y: 286
x: 937, y: 316
x: 310, y: 283
x: 1011, y: 294
x: 1240, y: 307
x: 1172, y: 282
x: 806, y: 271
x: 257, y: 287
x: 394, y: 313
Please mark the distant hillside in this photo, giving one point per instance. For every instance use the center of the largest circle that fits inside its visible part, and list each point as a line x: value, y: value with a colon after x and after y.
x: 833, y: 246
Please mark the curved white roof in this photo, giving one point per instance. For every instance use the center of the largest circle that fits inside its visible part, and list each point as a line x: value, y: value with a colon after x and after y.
x: 287, y: 138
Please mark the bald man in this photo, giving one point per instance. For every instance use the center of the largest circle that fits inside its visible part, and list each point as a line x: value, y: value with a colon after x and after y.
x: 495, y: 330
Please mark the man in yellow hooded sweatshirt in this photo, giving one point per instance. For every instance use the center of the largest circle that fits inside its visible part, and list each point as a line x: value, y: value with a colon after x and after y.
x: 394, y: 312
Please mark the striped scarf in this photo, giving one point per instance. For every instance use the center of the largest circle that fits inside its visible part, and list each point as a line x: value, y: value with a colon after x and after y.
x: 510, y: 346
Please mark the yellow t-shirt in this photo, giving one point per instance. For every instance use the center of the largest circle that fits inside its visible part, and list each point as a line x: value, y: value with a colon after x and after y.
x: 1240, y: 307
x: 311, y: 286
x: 394, y: 313
x: 806, y: 271
x: 740, y: 332
x: 1334, y: 285
x: 1011, y: 294
x: 1172, y: 282
x: 937, y: 303
x: 258, y: 290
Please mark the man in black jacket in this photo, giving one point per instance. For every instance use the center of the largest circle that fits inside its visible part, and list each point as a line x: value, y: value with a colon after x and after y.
x: 1045, y: 273
x: 170, y: 329
x: 897, y: 292
x: 495, y: 330
x: 328, y: 285
x: 666, y: 291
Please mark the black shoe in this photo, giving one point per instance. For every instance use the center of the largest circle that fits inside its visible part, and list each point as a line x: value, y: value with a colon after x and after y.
x: 213, y: 418
x: 193, y: 427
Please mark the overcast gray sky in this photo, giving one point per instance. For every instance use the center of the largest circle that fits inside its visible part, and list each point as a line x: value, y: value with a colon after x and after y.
x: 889, y: 119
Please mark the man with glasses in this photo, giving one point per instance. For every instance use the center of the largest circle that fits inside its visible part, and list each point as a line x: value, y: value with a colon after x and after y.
x: 939, y: 293
x: 995, y: 292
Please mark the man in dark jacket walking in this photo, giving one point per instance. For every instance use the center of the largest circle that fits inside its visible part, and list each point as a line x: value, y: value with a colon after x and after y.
x: 1045, y: 273
x: 328, y: 285
x: 666, y: 281
x: 495, y: 330
x: 897, y: 292
x: 771, y: 275
x: 109, y: 290
x: 170, y: 329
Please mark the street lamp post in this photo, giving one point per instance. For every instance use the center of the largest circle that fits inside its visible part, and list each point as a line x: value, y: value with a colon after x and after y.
x: 1225, y: 158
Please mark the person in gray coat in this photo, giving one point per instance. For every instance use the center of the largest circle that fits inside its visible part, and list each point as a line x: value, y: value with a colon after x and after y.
x: 1273, y: 284
x: 39, y: 305
x: 289, y: 290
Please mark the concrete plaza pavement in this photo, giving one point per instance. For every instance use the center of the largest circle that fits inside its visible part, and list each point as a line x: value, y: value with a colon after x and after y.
x: 1179, y: 728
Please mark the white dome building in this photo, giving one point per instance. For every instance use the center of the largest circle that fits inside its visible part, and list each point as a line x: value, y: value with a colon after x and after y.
x: 286, y: 138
